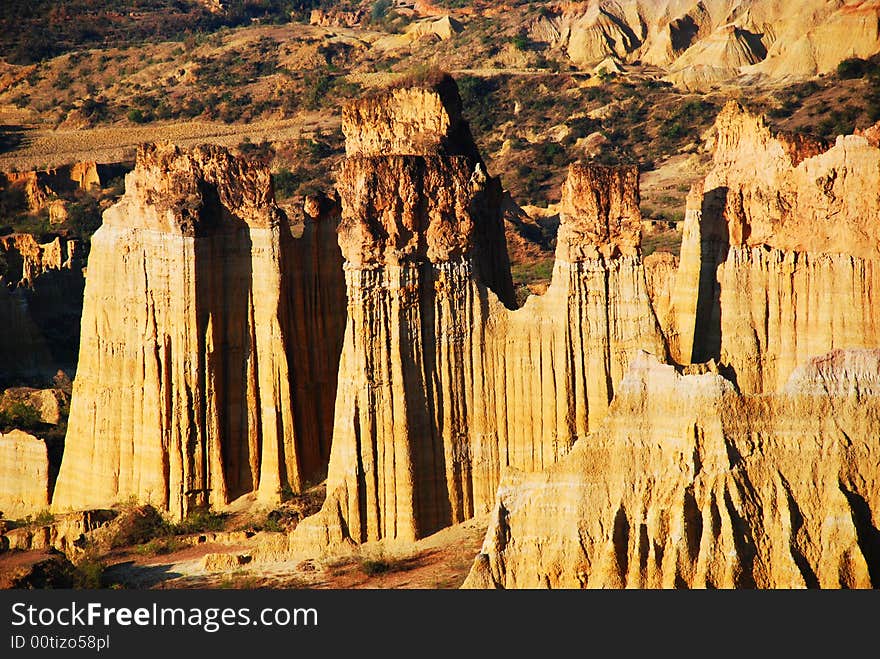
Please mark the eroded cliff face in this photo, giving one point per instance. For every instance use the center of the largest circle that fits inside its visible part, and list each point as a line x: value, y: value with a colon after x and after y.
x: 41, y: 286
x: 189, y: 364
x: 754, y: 465
x: 689, y: 484
x: 702, y: 43
x: 779, y: 252
x: 423, y: 241
x: 441, y: 385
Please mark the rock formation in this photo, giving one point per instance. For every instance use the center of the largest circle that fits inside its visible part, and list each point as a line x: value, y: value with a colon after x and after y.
x: 47, y: 404
x: 703, y: 43
x: 41, y: 287
x: 756, y: 467
x: 779, y: 252
x: 26, y: 258
x: 42, y: 188
x: 24, y: 474
x: 423, y: 241
x: 689, y: 484
x: 197, y: 337
x: 703, y: 422
x: 441, y: 384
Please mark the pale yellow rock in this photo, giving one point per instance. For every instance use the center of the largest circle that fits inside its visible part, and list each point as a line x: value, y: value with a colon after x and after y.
x: 85, y: 175
x: 69, y: 533
x: 687, y: 484
x: 444, y: 27
x: 704, y: 43
x: 779, y: 252
x: 440, y: 385
x: 224, y: 562
x: 24, y: 474
x: 194, y: 345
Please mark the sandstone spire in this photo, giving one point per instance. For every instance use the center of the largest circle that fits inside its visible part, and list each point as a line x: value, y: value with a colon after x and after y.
x: 440, y: 385
x: 756, y: 468
x: 780, y: 251
x: 189, y: 361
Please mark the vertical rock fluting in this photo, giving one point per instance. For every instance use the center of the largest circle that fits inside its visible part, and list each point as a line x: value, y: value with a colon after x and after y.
x: 24, y: 474
x: 689, y: 484
x: 423, y: 241
x: 440, y: 386
x: 780, y: 250
x: 184, y: 394
x: 756, y: 468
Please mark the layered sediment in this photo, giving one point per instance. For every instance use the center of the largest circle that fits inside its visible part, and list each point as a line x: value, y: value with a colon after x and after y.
x: 688, y: 484
x: 189, y: 364
x: 754, y: 463
x: 442, y: 385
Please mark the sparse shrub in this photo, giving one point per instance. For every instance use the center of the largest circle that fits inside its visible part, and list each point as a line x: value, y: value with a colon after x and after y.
x: 21, y: 100
x: 379, y: 10
x: 372, y: 567
x: 89, y: 574
x: 63, y: 80
x: 317, y: 86
x: 286, y: 183
x: 199, y: 522
x: 382, y: 564
x: 84, y: 215
x: 160, y: 546
x: 136, y: 116
x: 140, y: 525
x: 854, y: 67
x: 520, y: 41
x: 21, y: 415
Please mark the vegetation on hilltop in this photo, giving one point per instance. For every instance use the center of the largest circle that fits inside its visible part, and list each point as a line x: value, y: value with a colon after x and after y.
x: 34, y: 30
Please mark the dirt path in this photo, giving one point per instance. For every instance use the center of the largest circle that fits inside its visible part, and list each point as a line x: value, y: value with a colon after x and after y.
x: 41, y: 148
x: 440, y: 561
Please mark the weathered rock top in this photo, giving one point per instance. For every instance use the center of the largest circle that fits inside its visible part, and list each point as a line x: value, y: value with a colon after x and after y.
x: 194, y: 191
x: 794, y: 193
x: 419, y: 120
x: 599, y: 213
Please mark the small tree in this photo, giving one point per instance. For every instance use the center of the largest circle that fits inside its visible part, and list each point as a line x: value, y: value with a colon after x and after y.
x: 379, y: 10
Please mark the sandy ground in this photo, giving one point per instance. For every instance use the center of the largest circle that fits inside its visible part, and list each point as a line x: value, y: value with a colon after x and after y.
x: 440, y: 561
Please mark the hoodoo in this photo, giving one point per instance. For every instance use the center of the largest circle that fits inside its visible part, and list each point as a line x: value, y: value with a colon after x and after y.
x: 756, y: 468
x: 191, y: 360
x: 441, y: 384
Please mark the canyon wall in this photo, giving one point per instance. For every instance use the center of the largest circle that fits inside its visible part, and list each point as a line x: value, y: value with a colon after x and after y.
x: 189, y: 360
x: 779, y: 252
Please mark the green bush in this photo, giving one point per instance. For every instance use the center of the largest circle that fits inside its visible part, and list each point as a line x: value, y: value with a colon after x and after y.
x: 851, y: 68
x: 379, y: 10
x: 520, y: 42
x: 199, y: 522
x: 21, y: 415
x: 136, y: 116
x: 286, y: 183
x: 89, y: 574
